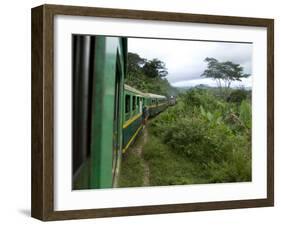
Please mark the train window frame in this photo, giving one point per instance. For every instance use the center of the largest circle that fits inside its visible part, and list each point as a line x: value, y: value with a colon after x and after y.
x: 127, y: 104
x: 44, y: 93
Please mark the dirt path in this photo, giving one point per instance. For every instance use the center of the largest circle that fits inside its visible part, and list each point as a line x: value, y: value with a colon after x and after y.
x: 139, y: 152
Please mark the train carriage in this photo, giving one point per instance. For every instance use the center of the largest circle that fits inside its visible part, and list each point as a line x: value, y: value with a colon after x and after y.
x: 99, y: 67
x: 107, y: 114
x: 157, y: 104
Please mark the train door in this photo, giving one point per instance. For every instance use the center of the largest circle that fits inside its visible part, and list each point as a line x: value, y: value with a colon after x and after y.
x: 116, y: 122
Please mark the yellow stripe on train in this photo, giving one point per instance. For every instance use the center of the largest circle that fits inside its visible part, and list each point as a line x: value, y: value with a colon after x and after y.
x: 132, y: 138
x: 130, y: 121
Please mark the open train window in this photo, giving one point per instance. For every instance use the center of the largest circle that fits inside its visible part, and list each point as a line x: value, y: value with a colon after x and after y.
x: 134, y: 102
x: 127, y: 103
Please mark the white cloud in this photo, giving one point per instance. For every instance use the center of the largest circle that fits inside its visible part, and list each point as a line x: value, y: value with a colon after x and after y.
x: 246, y: 82
x: 185, y: 59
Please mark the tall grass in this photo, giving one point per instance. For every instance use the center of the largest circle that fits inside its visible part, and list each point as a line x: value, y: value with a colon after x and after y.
x: 132, y: 171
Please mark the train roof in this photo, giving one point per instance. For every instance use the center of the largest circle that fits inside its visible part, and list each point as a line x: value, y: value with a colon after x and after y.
x: 132, y: 89
x: 151, y: 95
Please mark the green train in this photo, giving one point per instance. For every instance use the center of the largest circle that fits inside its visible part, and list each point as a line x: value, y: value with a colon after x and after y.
x: 107, y: 115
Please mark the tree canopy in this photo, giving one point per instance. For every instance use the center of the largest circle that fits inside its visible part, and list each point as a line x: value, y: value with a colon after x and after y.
x: 224, y: 73
x: 148, y: 75
x: 155, y: 68
x: 135, y: 62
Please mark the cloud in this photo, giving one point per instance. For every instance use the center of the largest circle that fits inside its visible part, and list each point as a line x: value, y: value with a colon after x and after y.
x: 185, y: 59
x: 246, y: 82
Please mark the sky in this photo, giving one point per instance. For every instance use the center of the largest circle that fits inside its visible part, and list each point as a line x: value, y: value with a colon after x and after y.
x: 185, y: 59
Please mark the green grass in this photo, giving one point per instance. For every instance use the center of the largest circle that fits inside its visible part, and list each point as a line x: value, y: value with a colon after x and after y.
x: 132, y: 170
x: 167, y: 167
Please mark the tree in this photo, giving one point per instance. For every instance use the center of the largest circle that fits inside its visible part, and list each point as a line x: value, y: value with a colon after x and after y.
x: 224, y: 73
x: 135, y: 62
x: 155, y: 68
x: 148, y: 75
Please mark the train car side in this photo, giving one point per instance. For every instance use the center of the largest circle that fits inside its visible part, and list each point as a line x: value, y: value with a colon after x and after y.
x: 97, y: 115
x: 157, y: 104
x: 138, y: 107
x: 134, y: 102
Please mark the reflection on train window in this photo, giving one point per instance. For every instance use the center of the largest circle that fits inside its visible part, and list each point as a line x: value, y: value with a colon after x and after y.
x: 134, y: 102
x: 127, y: 103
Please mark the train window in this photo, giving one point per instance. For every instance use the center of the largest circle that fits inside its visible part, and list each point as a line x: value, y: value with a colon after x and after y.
x: 134, y: 102
x: 127, y: 103
x: 138, y: 101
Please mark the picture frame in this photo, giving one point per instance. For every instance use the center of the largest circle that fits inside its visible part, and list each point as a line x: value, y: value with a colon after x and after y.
x: 43, y: 173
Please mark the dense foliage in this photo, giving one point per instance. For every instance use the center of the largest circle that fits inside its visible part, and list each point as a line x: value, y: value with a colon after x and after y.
x: 148, y: 75
x: 213, y: 135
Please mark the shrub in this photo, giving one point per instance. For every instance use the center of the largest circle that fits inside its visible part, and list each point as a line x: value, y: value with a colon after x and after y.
x: 199, y: 140
x: 238, y: 95
x: 245, y: 114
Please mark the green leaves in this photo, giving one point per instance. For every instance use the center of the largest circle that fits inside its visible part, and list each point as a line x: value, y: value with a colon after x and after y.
x: 245, y: 114
x: 154, y: 68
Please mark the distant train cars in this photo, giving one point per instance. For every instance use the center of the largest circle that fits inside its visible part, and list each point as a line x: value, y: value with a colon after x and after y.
x: 172, y: 100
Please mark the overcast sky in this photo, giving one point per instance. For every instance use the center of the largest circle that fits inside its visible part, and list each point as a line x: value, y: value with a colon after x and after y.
x: 185, y: 59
